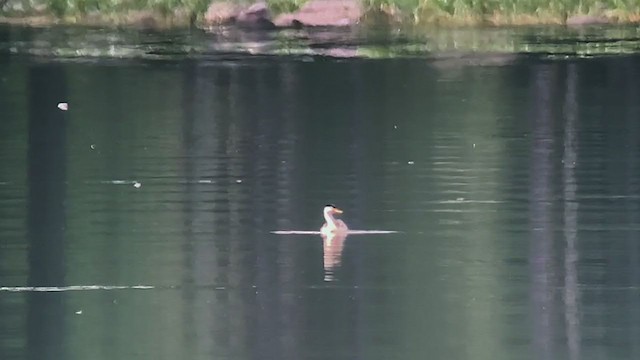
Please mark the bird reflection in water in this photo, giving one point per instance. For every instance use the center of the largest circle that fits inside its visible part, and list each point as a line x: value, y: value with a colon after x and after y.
x: 332, y: 244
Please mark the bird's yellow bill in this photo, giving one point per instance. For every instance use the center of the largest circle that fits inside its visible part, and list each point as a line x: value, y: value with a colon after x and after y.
x: 337, y: 211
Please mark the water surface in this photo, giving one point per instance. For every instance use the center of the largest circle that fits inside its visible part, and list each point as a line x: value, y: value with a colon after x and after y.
x: 512, y: 182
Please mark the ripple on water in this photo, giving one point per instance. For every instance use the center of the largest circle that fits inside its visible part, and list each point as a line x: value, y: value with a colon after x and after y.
x: 73, y: 288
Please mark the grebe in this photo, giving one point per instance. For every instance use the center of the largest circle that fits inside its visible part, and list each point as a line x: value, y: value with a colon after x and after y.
x: 332, y: 225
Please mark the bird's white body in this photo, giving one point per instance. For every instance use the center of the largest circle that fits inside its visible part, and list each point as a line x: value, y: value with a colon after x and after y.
x: 333, y: 225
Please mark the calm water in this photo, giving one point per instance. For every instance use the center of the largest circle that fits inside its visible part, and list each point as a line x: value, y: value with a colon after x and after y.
x: 513, y: 180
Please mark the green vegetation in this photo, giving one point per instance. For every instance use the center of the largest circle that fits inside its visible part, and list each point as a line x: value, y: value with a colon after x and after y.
x: 284, y: 6
x: 501, y: 12
x: 102, y: 12
x: 414, y: 12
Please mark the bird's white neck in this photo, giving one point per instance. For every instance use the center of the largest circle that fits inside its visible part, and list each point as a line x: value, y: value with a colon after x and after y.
x: 328, y: 217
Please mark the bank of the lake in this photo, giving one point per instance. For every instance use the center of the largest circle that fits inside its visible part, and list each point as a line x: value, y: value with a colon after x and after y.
x: 300, y: 13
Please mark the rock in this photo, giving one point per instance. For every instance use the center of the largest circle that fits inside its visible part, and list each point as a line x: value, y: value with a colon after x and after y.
x: 256, y: 16
x: 254, y: 12
x: 287, y: 20
x: 580, y: 20
x: 323, y: 13
x: 221, y: 13
x: 146, y: 22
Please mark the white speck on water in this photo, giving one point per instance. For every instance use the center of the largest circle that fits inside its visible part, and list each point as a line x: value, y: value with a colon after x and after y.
x: 410, y: 162
x: 63, y: 106
x: 460, y: 199
x: 79, y: 312
x: 205, y: 181
x: 93, y: 146
x: 137, y: 185
x: 238, y: 181
x: 474, y: 146
x: 395, y: 126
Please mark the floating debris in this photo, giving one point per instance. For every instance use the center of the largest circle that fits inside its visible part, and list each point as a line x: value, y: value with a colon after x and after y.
x: 136, y: 185
x: 238, y: 181
x: 93, y: 146
x: 410, y: 162
x: 63, y: 106
x: 79, y: 312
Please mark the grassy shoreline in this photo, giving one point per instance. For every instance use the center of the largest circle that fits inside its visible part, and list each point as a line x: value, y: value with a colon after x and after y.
x: 163, y: 14
x: 133, y: 18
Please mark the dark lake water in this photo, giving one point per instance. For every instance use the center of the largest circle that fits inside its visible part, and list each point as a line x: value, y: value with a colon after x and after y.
x: 138, y: 224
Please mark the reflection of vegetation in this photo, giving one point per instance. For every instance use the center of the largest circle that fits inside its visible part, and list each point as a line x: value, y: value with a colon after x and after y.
x: 457, y: 193
x: 479, y: 46
x: 99, y: 160
x: 552, y: 42
x: 13, y: 156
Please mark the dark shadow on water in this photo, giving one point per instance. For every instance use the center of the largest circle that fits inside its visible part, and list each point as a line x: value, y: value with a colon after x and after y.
x: 46, y: 211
